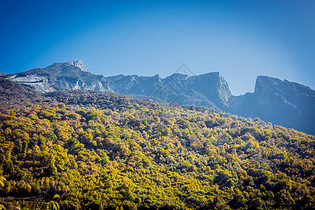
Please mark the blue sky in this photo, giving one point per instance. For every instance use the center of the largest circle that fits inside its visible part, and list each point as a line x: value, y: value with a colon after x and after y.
x: 240, y: 39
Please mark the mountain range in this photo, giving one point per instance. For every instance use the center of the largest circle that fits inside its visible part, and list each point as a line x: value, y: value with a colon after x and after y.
x: 280, y: 102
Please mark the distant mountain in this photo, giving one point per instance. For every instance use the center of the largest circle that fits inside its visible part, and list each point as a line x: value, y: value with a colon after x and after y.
x: 209, y: 90
x: 60, y: 76
x: 280, y: 102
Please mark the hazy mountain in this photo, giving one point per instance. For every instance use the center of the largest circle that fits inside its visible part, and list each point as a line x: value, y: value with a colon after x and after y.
x: 280, y: 102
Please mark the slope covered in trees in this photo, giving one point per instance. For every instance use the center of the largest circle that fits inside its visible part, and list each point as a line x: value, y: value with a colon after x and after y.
x: 92, y: 150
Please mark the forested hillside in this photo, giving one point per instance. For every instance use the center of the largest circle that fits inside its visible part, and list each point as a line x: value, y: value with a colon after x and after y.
x: 93, y: 150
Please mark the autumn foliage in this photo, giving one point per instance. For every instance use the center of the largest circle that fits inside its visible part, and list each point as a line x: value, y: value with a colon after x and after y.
x: 86, y: 150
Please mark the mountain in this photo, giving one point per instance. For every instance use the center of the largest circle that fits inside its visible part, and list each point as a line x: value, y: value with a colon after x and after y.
x: 209, y: 90
x: 280, y: 102
x: 60, y: 76
x: 84, y: 149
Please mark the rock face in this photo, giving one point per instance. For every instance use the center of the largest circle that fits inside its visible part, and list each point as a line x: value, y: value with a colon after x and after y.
x: 280, y: 102
x: 209, y: 90
x: 61, y: 76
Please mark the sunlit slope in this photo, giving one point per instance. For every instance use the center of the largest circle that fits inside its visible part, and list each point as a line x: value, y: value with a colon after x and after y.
x: 101, y: 150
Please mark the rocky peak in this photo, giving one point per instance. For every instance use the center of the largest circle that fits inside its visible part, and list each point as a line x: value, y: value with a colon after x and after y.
x: 267, y: 84
x: 78, y: 64
x: 214, y: 86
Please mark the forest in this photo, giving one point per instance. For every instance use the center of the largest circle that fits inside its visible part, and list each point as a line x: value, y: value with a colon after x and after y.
x: 93, y: 150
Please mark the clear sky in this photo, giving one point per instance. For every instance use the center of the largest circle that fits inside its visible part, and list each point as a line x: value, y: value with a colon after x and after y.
x: 240, y: 39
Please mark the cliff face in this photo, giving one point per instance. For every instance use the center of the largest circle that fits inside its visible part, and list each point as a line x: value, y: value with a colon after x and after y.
x: 210, y: 90
x: 280, y: 102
